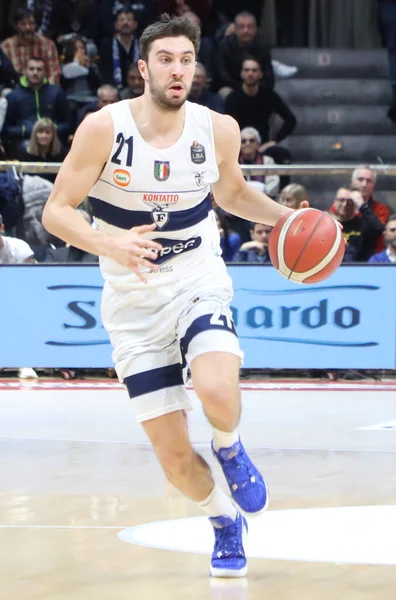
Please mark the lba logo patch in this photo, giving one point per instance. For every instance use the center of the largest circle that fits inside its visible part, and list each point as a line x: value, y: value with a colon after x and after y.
x: 121, y: 177
x: 197, y: 151
x: 161, y: 170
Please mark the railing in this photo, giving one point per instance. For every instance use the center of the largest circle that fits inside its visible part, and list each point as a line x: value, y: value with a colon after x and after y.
x: 296, y: 169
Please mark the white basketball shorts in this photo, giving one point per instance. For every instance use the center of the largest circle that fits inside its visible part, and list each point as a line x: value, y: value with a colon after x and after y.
x: 156, y: 333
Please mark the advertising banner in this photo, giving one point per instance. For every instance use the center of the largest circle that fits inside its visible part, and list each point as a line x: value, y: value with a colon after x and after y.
x: 50, y: 317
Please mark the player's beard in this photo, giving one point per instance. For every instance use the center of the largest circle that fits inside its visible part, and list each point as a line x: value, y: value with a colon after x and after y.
x: 160, y: 98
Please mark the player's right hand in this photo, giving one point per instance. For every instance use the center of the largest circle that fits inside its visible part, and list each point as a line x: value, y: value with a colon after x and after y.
x: 133, y: 250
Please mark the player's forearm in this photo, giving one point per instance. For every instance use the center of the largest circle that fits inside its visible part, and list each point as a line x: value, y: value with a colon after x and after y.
x: 68, y: 225
x: 255, y: 206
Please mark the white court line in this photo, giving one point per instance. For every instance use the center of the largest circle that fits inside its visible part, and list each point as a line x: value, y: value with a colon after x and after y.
x: 202, y: 446
x: 63, y: 526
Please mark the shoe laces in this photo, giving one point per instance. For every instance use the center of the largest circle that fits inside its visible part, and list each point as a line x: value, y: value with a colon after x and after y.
x: 238, y: 470
x: 228, y: 541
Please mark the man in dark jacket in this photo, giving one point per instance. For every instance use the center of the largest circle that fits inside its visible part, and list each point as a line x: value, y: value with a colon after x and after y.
x: 8, y: 75
x: 31, y: 100
x: 237, y: 46
x: 360, y: 226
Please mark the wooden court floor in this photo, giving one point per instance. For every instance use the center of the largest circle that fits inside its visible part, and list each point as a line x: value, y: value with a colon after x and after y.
x: 78, y: 482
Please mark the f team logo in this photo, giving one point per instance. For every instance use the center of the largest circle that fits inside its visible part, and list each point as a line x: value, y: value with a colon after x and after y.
x: 160, y: 217
x: 121, y: 177
x: 197, y: 152
x: 161, y: 170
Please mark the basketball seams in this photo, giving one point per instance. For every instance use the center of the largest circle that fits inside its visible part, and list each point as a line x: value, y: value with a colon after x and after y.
x: 300, y: 277
x: 283, y: 268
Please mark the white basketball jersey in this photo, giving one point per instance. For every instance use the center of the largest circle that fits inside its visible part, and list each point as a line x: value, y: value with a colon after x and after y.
x: 170, y: 187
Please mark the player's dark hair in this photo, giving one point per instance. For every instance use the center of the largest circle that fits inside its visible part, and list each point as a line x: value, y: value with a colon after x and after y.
x: 169, y: 27
x: 391, y: 218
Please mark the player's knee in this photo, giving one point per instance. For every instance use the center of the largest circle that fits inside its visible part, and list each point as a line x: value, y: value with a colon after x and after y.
x: 176, y: 463
x: 219, y: 396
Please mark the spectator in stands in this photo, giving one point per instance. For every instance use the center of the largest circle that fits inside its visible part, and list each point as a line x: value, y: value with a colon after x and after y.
x: 13, y: 250
x: 389, y: 254
x: 229, y: 240
x: 200, y: 93
x: 118, y: 52
x: 292, y: 195
x: 44, y: 146
x: 8, y: 75
x: 255, y: 251
x: 106, y: 94
x: 387, y: 15
x: 35, y: 193
x: 361, y: 227
x: 79, y: 76
x: 74, y: 16
x: 206, y: 52
x: 27, y: 43
x: 364, y: 180
x: 238, y: 46
x: 145, y: 13
x: 135, y: 83
x: 249, y: 155
x: 32, y: 99
x: 42, y: 10
x: 253, y: 106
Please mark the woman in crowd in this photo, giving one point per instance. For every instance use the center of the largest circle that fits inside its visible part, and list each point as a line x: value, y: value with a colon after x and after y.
x: 43, y: 146
x: 292, y: 195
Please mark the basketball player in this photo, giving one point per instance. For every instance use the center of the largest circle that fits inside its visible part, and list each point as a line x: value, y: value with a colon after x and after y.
x: 148, y: 165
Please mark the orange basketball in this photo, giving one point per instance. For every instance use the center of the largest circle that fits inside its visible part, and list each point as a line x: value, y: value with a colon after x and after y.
x: 306, y: 246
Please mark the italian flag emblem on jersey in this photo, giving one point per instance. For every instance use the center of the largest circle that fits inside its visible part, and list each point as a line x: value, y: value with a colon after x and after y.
x: 161, y: 170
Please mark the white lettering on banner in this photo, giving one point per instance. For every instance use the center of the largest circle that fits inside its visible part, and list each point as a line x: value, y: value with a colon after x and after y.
x: 162, y: 198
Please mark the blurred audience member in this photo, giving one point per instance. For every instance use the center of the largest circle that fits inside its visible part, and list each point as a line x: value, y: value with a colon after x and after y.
x: 74, y: 17
x: 145, y: 12
x: 13, y: 250
x: 135, y: 83
x: 206, y: 52
x: 44, y: 146
x: 79, y: 76
x: 35, y: 193
x: 200, y: 93
x: 253, y: 106
x: 106, y: 94
x: 292, y: 195
x: 238, y: 46
x: 118, y: 52
x: 229, y: 240
x: 8, y: 76
x: 42, y: 10
x: 389, y: 254
x: 360, y: 226
x: 249, y: 155
x: 27, y: 43
x: 255, y: 251
x: 364, y: 180
x: 33, y: 98
x: 387, y: 14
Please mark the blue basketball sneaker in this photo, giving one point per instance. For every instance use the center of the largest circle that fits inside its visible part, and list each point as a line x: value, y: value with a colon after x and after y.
x: 228, y: 558
x: 247, y: 486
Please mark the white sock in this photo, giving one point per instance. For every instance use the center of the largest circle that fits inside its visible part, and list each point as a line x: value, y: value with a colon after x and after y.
x: 218, y: 504
x: 223, y: 439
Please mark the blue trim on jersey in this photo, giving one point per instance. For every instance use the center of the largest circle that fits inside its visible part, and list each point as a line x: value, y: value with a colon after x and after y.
x: 154, y: 380
x: 199, y: 326
x: 125, y: 219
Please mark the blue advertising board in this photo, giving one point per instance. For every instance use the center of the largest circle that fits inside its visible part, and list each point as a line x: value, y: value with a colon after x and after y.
x: 50, y: 317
